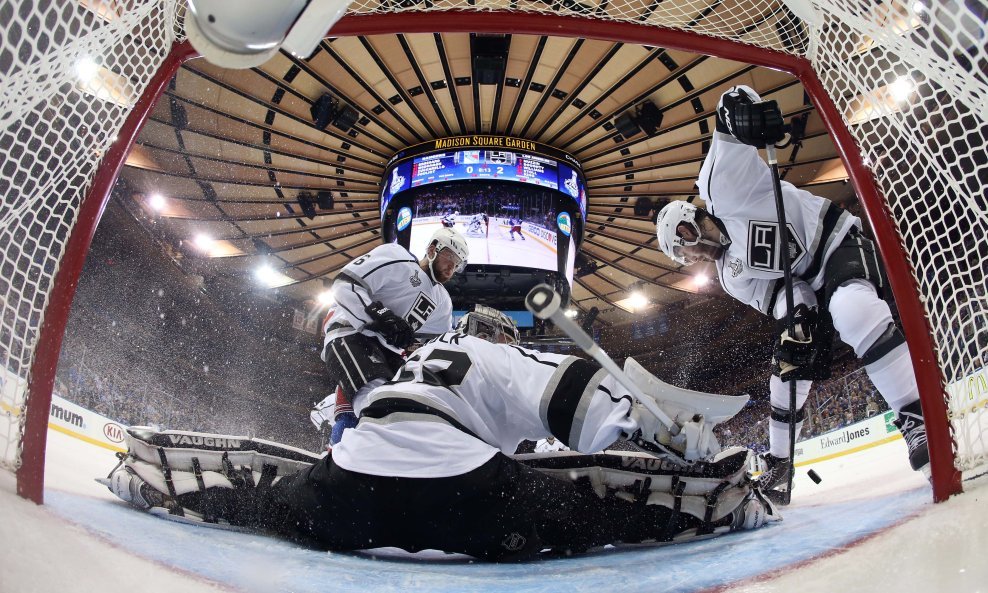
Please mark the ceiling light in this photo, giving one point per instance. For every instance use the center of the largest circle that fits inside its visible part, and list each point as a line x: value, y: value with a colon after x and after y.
x: 901, y: 88
x: 204, y: 242
x: 270, y: 277
x: 701, y: 280
x: 157, y: 202
x: 570, y: 313
x: 326, y: 298
x: 637, y: 301
x: 86, y: 69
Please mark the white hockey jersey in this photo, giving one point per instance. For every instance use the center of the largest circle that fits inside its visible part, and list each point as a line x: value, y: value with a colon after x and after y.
x: 736, y: 185
x: 391, y: 274
x: 459, y: 400
x: 544, y: 446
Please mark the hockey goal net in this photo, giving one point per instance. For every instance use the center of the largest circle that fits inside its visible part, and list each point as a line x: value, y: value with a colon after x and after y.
x: 901, y: 86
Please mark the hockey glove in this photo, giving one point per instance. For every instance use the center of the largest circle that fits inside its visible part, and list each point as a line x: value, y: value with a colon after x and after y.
x: 795, y: 355
x: 742, y: 114
x: 395, y: 330
x: 651, y: 431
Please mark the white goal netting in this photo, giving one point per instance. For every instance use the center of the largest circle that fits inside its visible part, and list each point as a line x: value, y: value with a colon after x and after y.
x: 71, y: 73
x: 908, y: 78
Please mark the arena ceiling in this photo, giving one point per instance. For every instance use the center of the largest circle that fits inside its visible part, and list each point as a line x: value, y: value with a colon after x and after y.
x: 224, y: 154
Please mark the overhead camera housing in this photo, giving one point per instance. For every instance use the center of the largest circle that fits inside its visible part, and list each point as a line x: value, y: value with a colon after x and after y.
x: 242, y: 35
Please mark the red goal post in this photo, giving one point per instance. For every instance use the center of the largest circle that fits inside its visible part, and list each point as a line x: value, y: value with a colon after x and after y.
x: 44, y: 266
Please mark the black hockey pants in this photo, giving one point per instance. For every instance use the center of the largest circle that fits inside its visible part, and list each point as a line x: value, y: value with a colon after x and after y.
x: 501, y: 511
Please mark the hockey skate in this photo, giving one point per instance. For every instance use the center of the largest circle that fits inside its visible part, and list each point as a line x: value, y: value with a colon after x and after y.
x: 911, y: 424
x: 756, y: 510
x: 774, y: 481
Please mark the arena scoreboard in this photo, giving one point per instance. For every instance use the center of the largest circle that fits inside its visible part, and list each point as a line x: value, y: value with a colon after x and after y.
x: 500, y: 158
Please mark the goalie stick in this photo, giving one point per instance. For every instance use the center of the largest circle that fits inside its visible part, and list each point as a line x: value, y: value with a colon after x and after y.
x: 545, y: 303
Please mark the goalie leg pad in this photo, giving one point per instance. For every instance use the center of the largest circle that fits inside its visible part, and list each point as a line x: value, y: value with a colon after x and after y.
x: 207, y: 477
x: 213, y: 452
x: 718, y: 494
x: 707, y: 490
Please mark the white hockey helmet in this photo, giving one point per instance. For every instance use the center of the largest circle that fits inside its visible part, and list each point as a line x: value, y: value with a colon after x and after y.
x: 670, y: 217
x: 487, y: 323
x: 447, y: 238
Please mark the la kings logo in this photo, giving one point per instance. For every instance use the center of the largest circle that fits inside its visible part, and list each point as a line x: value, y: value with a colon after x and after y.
x: 763, y: 246
x: 420, y: 311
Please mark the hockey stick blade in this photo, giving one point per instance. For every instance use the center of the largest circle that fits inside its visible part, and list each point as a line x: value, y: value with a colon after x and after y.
x: 545, y: 303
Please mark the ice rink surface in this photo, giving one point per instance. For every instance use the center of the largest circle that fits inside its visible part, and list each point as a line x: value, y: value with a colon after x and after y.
x: 869, y: 526
x: 496, y: 247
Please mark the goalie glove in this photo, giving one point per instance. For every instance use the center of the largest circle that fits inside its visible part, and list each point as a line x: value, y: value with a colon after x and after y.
x: 795, y: 354
x: 395, y: 330
x: 742, y: 114
x: 652, y: 433
x: 695, y: 414
x: 691, y: 437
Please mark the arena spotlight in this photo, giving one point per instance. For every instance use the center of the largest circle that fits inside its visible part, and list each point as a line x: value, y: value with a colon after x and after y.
x: 637, y: 301
x: 701, y: 280
x: 157, y: 202
x: 204, y: 243
x: 326, y: 298
x: 901, y: 88
x: 269, y: 277
x: 86, y: 69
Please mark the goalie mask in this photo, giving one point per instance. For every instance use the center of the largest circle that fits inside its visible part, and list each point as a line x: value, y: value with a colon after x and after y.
x: 667, y: 225
x: 487, y: 323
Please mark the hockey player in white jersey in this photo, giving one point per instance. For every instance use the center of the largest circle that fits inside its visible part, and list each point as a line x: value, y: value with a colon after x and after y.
x: 549, y: 445
x: 383, y: 299
x: 837, y: 276
x: 426, y: 467
x: 477, y: 226
x: 449, y: 220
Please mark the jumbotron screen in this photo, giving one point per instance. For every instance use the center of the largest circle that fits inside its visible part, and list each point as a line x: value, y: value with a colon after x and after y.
x: 504, y: 224
x: 515, y: 208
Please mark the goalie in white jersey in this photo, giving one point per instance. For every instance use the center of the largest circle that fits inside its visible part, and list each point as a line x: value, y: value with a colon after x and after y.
x: 383, y: 300
x: 837, y: 277
x: 426, y: 467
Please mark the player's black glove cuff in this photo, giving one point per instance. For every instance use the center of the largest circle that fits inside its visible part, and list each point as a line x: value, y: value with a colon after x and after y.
x: 395, y: 330
x: 755, y: 124
x: 795, y: 355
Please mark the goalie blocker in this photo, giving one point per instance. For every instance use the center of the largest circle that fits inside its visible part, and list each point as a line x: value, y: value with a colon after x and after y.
x: 237, y: 482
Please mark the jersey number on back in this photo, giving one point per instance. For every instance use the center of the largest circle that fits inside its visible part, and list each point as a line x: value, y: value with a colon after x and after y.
x: 453, y: 374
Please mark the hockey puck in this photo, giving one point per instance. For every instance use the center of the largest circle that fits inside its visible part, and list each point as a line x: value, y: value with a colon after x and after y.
x: 814, y: 476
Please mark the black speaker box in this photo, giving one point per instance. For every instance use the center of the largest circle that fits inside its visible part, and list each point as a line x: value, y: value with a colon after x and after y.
x: 649, y: 118
x: 625, y: 124
x: 345, y: 118
x: 324, y: 110
x: 643, y: 206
